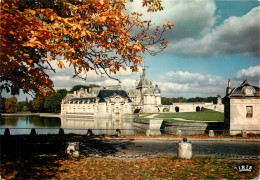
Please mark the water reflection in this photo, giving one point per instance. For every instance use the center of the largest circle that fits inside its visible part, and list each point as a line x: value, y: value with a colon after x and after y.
x: 78, y: 125
x: 45, y: 121
x: 99, y: 125
x: 10, y: 121
x: 24, y: 124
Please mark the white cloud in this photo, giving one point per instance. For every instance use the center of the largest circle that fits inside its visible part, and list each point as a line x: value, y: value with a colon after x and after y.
x: 188, y: 16
x: 237, y: 35
x: 128, y: 83
x: 175, y: 84
x: 251, y: 74
x: 187, y: 84
x: 195, y: 34
x: 181, y: 77
x: 63, y: 78
x: 190, y: 19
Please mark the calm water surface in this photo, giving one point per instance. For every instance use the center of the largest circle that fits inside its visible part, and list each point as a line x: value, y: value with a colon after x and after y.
x: 78, y: 125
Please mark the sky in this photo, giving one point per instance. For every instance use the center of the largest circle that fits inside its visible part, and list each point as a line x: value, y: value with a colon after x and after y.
x: 212, y: 41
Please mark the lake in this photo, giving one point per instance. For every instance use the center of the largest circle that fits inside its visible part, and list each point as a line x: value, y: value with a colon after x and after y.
x: 77, y: 125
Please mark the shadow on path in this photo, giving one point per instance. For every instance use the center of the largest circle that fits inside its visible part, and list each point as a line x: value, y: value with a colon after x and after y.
x: 39, y: 156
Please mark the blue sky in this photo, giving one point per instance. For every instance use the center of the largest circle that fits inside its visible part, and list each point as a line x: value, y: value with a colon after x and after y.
x: 204, y: 55
x: 211, y: 42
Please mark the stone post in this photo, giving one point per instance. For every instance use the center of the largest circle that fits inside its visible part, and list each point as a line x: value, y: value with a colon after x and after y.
x: 90, y: 132
x: 148, y: 132
x: 118, y: 132
x: 178, y: 133
x: 33, y: 132
x: 184, y: 149
x: 73, y: 149
x: 211, y: 133
x: 244, y: 134
x: 61, y: 132
x: 7, y: 132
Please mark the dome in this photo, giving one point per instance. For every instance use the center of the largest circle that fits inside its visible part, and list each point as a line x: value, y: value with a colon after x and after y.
x: 143, y: 82
x: 157, y: 90
x: 149, y: 91
x: 239, y: 91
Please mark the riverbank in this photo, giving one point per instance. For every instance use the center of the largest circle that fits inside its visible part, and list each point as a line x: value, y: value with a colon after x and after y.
x: 31, y: 114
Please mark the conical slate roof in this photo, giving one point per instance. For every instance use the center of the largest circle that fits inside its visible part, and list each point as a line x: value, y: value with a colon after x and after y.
x: 144, y: 82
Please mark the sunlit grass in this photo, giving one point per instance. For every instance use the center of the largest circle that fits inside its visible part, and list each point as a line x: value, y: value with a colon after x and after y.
x: 201, y: 116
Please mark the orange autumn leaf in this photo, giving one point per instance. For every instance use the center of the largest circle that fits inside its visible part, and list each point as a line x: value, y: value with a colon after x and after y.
x: 36, y: 33
x: 167, y: 24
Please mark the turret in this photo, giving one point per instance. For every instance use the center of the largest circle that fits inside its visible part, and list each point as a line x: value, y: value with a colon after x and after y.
x: 219, y: 100
x: 228, y: 88
x: 157, y: 90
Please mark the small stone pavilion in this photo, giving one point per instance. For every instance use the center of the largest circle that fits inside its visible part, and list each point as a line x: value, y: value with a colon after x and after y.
x: 242, y: 109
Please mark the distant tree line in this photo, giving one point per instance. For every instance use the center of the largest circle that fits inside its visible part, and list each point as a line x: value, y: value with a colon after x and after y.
x: 169, y: 101
x: 49, y: 103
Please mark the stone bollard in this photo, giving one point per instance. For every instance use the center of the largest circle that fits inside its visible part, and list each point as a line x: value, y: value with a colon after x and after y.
x: 7, y: 132
x: 148, y: 132
x: 33, y: 132
x: 61, y: 132
x: 178, y: 133
x: 244, y: 134
x: 73, y: 149
x: 89, y: 132
x: 118, y: 132
x: 184, y: 149
x: 211, y: 133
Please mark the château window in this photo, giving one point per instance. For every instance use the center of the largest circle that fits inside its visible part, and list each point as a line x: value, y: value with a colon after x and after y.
x: 249, y: 111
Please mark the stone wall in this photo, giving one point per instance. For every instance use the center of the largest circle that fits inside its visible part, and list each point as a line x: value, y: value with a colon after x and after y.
x: 194, y: 107
x: 177, y: 128
x: 149, y: 126
x: 181, y: 128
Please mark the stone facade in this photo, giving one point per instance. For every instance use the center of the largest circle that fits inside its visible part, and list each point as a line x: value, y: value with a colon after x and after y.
x: 242, y: 109
x: 146, y: 98
x: 111, y: 100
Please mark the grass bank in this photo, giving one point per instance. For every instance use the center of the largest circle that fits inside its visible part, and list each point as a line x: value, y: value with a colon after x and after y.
x: 101, y: 168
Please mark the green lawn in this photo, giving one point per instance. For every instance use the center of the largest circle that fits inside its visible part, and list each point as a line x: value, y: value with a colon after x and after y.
x: 200, y: 116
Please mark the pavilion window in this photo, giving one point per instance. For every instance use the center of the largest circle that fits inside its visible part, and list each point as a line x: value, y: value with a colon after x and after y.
x: 249, y: 111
